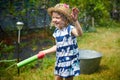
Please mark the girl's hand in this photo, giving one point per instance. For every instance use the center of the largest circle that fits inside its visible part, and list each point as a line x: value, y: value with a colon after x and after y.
x: 41, y: 55
x: 74, y: 14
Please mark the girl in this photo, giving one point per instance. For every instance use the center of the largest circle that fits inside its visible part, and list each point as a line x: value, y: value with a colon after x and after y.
x: 67, y: 63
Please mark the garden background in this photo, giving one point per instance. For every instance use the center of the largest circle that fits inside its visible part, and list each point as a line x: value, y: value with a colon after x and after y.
x: 100, y: 21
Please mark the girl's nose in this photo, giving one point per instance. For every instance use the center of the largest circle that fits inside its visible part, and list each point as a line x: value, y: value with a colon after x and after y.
x: 54, y: 20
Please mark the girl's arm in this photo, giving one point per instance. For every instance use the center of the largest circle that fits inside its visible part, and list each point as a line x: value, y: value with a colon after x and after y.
x: 77, y: 31
x: 50, y: 50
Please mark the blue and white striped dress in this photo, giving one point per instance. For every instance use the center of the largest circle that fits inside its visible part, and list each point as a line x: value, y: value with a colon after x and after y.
x: 67, y: 54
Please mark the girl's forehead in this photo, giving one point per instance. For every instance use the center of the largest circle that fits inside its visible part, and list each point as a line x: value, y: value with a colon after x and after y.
x: 55, y: 14
x: 58, y: 14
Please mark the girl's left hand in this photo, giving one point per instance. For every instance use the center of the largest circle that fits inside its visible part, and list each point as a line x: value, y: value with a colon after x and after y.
x: 74, y: 14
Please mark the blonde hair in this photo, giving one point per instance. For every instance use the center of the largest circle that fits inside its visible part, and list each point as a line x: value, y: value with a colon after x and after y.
x: 63, y: 17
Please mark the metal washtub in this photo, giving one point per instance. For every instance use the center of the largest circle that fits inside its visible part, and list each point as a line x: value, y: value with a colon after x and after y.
x: 89, y: 61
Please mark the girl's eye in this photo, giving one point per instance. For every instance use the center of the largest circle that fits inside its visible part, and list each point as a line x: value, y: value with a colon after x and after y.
x: 57, y: 17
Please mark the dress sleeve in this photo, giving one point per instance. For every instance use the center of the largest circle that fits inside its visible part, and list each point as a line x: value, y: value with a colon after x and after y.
x: 70, y: 27
x: 54, y: 33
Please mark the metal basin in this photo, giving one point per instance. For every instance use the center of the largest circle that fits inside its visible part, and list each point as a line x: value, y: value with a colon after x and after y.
x: 89, y: 61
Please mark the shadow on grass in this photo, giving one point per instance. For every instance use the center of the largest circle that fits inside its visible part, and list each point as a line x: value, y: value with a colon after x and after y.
x: 102, y: 68
x: 4, y: 75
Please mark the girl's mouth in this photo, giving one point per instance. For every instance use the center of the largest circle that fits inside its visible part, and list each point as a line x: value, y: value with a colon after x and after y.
x: 56, y: 23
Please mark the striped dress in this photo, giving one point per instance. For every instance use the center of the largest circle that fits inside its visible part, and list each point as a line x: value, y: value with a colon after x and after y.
x: 67, y: 55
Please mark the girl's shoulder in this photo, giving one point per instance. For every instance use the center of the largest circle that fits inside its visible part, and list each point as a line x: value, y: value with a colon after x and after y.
x: 69, y: 28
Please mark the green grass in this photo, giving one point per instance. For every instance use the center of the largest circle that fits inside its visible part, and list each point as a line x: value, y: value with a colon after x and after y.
x: 105, y: 40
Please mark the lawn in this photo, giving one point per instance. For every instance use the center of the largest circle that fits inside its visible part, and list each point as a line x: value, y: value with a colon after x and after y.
x: 104, y: 40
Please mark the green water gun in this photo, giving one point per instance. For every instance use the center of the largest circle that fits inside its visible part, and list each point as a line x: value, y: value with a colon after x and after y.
x: 31, y: 59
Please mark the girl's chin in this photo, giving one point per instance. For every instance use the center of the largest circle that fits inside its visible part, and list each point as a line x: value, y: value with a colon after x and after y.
x: 57, y: 25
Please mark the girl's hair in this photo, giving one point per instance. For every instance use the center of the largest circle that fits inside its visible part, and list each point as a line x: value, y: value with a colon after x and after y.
x: 63, y: 16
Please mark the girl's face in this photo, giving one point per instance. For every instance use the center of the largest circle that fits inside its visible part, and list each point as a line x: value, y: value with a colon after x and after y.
x: 58, y: 20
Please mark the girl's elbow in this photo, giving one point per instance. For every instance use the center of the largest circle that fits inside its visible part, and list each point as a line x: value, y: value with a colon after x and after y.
x: 80, y: 34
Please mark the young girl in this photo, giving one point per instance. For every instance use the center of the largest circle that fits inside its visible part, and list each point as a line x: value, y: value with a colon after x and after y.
x: 67, y: 63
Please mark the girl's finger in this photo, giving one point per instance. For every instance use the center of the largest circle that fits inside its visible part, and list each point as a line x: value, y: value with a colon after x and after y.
x: 75, y: 10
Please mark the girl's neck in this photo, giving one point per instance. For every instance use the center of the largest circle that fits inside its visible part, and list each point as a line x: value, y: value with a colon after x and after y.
x: 62, y: 27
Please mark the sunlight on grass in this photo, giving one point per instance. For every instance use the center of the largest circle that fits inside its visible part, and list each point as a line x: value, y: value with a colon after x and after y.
x: 105, y: 41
